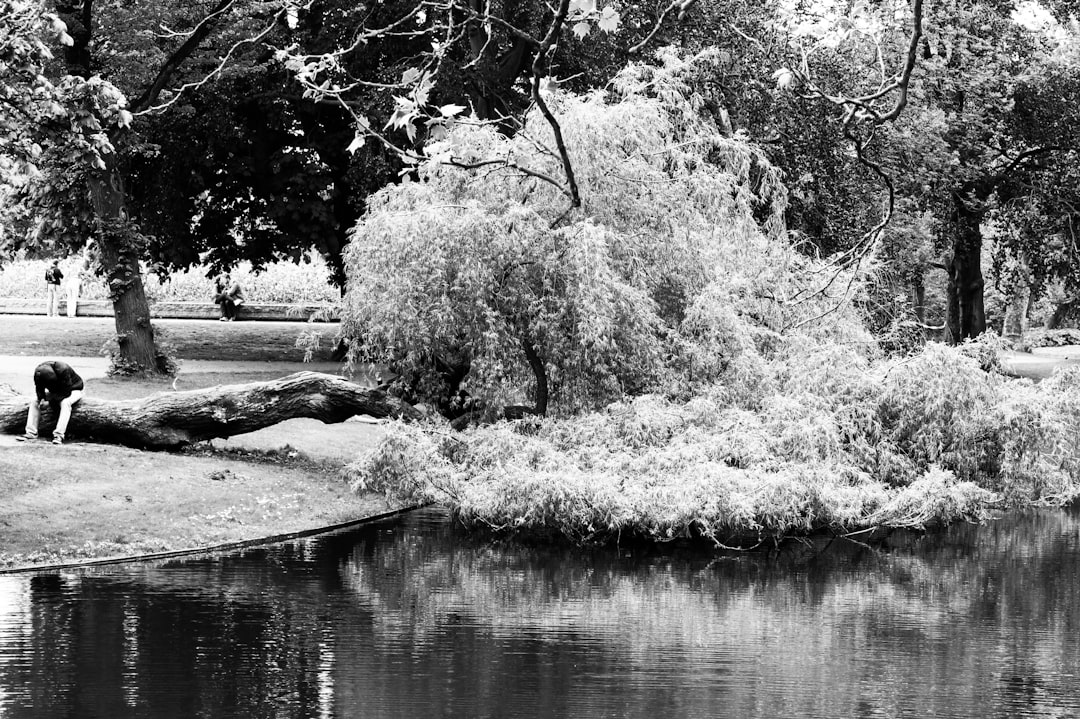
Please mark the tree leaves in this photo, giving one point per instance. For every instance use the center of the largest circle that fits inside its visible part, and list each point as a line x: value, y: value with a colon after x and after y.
x: 465, y: 263
x: 451, y: 110
x: 609, y: 19
x: 583, y: 14
x: 61, y: 125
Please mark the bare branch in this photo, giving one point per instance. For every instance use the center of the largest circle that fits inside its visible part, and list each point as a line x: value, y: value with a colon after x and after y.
x: 178, y: 93
x: 364, y: 36
x: 539, y: 71
x: 1027, y: 155
x: 487, y: 17
x: 198, y: 34
x: 904, y: 81
x: 510, y: 164
x: 676, y: 5
x: 858, y: 109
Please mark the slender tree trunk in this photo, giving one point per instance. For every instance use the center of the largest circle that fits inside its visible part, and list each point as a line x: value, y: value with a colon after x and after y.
x: 952, y: 306
x: 965, y: 313
x: 78, y: 15
x: 539, y: 372
x: 919, y: 298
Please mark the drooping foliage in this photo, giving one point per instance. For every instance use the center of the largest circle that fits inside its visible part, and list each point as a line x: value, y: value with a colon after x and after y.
x: 476, y: 266
x: 824, y: 440
x: 767, y: 409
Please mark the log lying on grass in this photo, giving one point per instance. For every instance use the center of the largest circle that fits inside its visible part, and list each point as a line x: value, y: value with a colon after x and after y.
x: 172, y: 420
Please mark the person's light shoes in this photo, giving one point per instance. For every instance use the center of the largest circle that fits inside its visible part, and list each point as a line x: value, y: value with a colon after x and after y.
x: 57, y: 438
x: 26, y: 437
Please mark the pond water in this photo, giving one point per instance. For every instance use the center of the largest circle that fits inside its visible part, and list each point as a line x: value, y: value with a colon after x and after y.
x: 409, y: 617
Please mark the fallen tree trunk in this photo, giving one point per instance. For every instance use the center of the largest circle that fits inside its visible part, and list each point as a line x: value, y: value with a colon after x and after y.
x: 172, y: 420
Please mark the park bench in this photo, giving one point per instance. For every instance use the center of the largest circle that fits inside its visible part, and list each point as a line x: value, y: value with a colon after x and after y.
x: 279, y: 312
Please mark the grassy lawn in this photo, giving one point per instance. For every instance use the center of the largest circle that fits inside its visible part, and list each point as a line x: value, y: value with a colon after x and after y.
x: 190, y: 339
x: 79, y: 501
x: 87, y: 501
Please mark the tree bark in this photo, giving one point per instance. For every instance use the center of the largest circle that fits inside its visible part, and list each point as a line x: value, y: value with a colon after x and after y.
x: 918, y: 297
x: 539, y: 369
x: 173, y: 420
x: 119, y: 257
x: 965, y: 314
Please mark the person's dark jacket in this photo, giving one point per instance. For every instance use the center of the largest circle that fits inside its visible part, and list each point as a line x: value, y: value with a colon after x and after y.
x: 58, y: 378
x: 53, y: 275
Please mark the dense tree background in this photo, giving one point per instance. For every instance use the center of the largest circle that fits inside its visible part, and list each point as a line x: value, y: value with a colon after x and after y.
x: 239, y: 160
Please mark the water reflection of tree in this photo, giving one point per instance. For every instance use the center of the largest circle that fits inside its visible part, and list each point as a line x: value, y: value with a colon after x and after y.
x: 404, y: 623
x: 235, y: 637
x: 975, y: 615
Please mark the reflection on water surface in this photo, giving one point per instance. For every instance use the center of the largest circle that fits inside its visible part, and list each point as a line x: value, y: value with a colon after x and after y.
x: 410, y: 618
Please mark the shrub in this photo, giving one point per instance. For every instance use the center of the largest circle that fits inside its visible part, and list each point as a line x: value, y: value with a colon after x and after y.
x: 846, y: 446
x: 699, y: 474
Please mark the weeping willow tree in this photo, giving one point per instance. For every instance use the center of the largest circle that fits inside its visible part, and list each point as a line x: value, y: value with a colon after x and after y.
x: 700, y: 375
x: 476, y: 278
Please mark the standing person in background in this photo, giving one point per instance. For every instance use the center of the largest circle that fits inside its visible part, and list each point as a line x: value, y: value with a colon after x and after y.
x: 232, y: 298
x: 53, y: 278
x: 74, y: 282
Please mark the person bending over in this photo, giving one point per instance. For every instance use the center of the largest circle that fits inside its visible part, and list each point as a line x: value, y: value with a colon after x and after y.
x: 58, y: 384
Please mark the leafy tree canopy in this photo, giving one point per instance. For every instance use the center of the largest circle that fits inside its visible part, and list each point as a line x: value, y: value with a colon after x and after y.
x: 679, y: 250
x: 49, y: 128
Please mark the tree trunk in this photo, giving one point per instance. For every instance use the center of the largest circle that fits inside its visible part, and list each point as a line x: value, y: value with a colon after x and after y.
x: 1061, y: 311
x: 1018, y: 300
x: 539, y: 372
x: 496, y: 70
x: 918, y: 297
x: 78, y: 15
x: 119, y: 255
x: 120, y: 252
x: 172, y: 420
x: 120, y: 258
x: 965, y: 314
